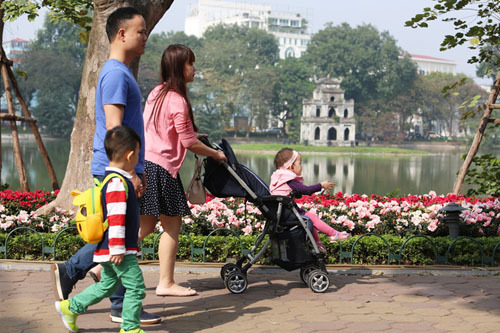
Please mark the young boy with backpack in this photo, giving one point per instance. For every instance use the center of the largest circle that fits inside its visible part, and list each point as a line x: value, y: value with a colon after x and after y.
x: 117, y: 251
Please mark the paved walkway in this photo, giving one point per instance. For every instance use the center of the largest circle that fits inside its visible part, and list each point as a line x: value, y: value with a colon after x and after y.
x: 276, y: 301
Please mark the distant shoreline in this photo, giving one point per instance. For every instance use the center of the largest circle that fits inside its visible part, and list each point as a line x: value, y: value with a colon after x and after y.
x: 28, y: 137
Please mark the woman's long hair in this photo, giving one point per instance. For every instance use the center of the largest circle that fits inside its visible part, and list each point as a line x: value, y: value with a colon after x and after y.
x: 173, y: 61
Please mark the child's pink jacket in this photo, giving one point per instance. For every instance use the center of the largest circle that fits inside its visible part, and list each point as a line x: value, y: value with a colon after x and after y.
x: 279, y: 180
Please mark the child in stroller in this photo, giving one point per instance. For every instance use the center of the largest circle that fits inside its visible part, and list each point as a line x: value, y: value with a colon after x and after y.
x: 288, y: 178
x: 290, y: 235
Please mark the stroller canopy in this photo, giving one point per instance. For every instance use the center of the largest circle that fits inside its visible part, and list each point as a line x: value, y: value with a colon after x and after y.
x: 220, y: 182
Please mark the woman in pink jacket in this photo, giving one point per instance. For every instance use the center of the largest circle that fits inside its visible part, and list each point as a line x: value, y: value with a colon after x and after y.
x: 169, y: 132
x: 288, y: 178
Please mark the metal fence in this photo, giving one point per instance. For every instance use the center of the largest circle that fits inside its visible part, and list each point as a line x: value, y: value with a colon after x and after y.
x: 349, y: 255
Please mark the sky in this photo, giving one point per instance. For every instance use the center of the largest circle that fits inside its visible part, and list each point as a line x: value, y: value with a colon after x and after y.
x: 386, y: 15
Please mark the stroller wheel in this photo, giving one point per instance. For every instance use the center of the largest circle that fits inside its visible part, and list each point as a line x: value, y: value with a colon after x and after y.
x: 318, y: 281
x: 227, y: 269
x: 304, y: 272
x: 236, y: 282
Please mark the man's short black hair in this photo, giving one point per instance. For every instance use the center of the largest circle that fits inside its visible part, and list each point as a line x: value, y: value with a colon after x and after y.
x: 115, y: 20
x: 119, y: 141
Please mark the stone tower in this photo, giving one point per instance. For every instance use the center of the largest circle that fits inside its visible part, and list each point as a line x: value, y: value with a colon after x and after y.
x: 327, y: 118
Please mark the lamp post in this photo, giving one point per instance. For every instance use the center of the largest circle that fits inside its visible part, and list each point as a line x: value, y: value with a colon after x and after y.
x: 452, y: 218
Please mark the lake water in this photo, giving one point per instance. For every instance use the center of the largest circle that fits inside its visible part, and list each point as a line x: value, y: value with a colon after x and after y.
x: 353, y: 173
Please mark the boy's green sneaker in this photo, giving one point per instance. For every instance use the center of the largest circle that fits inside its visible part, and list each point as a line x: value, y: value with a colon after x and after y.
x: 68, y: 317
x: 137, y: 330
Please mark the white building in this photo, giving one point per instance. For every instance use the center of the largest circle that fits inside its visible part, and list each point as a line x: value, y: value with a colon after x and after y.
x: 328, y: 118
x: 290, y: 29
x: 427, y: 65
x: 15, y: 48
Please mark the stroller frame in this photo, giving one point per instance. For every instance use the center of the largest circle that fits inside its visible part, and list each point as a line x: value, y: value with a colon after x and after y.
x: 313, y: 271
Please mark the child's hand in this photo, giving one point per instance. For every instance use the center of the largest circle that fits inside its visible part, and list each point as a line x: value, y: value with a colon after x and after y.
x: 116, y: 259
x: 327, y: 185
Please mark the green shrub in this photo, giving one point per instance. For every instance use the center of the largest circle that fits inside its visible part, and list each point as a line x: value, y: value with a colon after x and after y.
x: 369, y: 250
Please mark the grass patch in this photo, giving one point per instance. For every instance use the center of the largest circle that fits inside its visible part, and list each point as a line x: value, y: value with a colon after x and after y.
x: 274, y: 147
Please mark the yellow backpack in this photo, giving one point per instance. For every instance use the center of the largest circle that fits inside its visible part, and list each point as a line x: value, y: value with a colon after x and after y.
x: 89, y: 217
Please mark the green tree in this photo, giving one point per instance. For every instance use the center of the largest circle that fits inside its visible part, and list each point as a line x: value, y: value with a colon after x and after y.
x: 97, y: 54
x: 449, y: 108
x: 54, y: 64
x: 74, y: 11
x: 233, y: 63
x: 478, y: 30
x: 490, y: 67
x: 294, y: 85
x: 368, y: 61
x: 370, y: 64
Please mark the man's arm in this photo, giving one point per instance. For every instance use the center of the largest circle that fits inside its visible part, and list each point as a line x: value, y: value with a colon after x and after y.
x: 114, y: 115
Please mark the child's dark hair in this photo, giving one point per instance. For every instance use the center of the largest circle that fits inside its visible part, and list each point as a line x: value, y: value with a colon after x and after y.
x: 119, y: 141
x: 282, y: 156
x: 116, y: 18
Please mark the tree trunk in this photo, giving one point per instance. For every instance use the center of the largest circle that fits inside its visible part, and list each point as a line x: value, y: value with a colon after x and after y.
x: 78, y: 169
x: 488, y: 108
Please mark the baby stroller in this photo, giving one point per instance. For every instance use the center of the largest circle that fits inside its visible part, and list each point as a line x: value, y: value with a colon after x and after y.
x: 290, y: 234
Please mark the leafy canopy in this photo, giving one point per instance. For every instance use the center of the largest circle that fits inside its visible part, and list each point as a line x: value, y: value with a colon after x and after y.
x: 74, y: 11
x: 479, y: 30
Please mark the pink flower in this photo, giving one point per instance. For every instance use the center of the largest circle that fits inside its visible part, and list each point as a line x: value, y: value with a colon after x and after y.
x: 247, y: 230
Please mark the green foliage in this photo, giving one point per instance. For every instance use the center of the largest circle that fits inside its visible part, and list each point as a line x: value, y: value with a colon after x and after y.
x: 237, y: 76
x: 370, y: 250
x: 294, y: 85
x: 373, y: 73
x: 367, y: 60
x: 491, y: 67
x: 74, y: 11
x: 54, y: 64
x: 458, y: 100
x: 479, y: 30
x: 484, y: 176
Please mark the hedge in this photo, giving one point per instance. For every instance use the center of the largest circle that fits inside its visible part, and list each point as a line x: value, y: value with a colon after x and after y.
x: 369, y: 250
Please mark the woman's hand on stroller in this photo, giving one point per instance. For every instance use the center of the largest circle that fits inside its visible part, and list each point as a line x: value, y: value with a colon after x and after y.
x: 219, y: 156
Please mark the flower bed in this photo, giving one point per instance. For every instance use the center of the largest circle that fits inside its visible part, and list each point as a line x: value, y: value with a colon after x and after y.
x: 356, y: 214
x: 359, y: 214
x: 396, y: 219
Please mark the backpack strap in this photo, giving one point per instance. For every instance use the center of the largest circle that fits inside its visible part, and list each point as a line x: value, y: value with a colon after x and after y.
x: 108, y: 178
x: 105, y: 181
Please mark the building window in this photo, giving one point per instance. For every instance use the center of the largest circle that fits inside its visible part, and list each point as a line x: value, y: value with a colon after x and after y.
x: 289, y: 52
x: 318, y: 112
x: 284, y: 22
x: 331, y: 112
x: 316, y: 133
x: 294, y: 23
x: 332, y: 98
x: 346, y: 134
x: 273, y: 21
x: 332, y: 134
x: 346, y: 113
